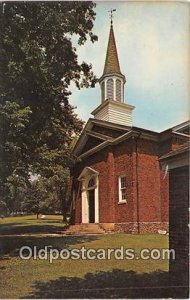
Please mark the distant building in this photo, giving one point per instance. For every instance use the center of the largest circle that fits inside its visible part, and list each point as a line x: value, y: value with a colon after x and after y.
x: 117, y: 181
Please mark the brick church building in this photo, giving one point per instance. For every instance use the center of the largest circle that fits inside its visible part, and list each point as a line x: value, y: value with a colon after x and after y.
x: 117, y: 180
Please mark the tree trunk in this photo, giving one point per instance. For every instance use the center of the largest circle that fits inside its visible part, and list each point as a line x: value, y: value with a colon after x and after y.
x: 64, y: 210
x: 62, y: 197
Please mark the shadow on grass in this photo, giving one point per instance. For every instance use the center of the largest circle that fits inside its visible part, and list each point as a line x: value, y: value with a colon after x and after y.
x: 10, y: 246
x: 19, y: 228
x: 112, y: 284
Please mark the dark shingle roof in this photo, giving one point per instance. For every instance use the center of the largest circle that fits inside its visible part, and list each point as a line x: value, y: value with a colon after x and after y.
x: 112, y: 61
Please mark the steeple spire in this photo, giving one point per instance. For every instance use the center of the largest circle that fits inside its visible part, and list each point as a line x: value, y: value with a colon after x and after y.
x: 112, y: 61
x: 113, y: 109
x: 112, y: 81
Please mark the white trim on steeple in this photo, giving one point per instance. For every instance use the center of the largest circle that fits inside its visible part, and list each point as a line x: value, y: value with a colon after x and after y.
x: 114, y: 112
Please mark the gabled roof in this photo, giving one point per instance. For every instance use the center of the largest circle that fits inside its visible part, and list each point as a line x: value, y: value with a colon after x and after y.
x: 115, y: 134
x: 121, y: 133
x: 87, y: 132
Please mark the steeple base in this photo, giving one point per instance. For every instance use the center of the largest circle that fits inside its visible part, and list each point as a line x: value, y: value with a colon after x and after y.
x: 114, y: 112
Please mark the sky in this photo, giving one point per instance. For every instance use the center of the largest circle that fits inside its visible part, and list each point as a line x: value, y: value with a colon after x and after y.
x: 152, y: 40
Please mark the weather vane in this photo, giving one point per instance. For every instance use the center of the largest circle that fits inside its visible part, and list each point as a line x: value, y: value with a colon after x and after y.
x: 111, y: 15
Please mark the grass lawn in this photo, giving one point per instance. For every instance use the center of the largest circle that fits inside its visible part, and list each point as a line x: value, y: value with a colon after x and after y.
x: 30, y: 224
x: 74, y: 278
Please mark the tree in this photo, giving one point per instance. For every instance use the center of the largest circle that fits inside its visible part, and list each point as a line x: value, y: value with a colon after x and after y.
x: 13, y: 153
x: 40, y: 198
x: 38, y: 61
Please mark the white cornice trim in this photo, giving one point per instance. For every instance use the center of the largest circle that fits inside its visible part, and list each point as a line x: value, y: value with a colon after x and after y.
x: 111, y: 75
x: 118, y: 140
x: 181, y: 134
x: 184, y: 125
x: 128, y: 132
x: 87, y: 169
x: 113, y: 102
x: 110, y: 125
x: 172, y: 162
x: 83, y: 137
x: 125, y: 136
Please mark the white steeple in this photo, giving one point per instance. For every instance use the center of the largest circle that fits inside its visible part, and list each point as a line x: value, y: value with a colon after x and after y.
x: 112, y: 108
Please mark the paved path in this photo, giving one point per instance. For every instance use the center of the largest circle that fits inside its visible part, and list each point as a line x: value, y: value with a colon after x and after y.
x: 32, y: 235
x: 47, y: 234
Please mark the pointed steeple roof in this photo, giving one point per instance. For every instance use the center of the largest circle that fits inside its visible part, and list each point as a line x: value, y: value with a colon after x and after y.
x: 112, y: 61
x: 112, y: 66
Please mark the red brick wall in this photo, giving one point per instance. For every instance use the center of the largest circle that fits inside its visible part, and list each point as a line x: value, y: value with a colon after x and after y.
x: 112, y: 192
x: 120, y: 160
x: 78, y: 204
x: 124, y: 166
x: 177, y: 142
x: 149, y: 182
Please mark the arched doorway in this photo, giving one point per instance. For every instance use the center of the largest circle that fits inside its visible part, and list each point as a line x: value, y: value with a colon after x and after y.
x: 89, y: 195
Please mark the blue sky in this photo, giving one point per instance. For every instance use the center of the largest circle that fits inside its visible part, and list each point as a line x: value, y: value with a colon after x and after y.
x: 153, y: 46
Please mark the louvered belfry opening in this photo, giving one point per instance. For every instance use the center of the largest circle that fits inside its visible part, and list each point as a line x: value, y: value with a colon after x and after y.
x: 112, y: 80
x: 110, y: 89
x: 118, y: 89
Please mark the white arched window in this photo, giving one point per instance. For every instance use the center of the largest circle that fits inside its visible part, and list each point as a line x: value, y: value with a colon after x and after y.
x: 118, y: 89
x: 109, y: 94
x: 103, y: 90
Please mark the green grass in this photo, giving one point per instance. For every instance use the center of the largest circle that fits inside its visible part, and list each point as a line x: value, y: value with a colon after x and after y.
x: 32, y: 220
x: 30, y: 224
x: 67, y: 278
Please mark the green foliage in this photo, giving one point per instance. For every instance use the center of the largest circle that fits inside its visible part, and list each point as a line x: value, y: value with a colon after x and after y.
x: 40, y: 198
x: 14, y: 154
x: 38, y: 61
x: 38, y: 58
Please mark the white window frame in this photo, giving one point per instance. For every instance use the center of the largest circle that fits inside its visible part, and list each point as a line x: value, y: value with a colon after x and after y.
x: 120, y: 189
